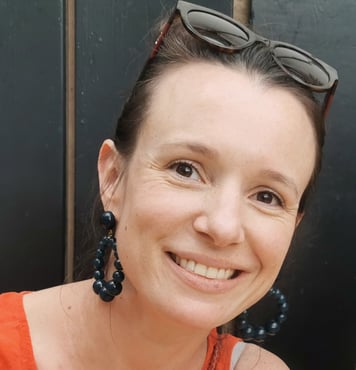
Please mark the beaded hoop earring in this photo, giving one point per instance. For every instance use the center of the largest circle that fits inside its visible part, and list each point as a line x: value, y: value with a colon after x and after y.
x: 107, y: 290
x: 249, y: 332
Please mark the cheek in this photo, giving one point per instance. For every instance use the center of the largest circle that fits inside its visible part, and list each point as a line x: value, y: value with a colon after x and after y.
x: 271, y: 243
x: 156, y: 208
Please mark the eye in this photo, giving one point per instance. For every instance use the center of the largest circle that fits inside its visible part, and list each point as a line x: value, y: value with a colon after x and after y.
x: 186, y: 169
x: 269, y: 198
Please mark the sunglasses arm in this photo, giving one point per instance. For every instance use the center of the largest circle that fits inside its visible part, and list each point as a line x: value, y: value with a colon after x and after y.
x: 161, y: 36
x: 329, y: 99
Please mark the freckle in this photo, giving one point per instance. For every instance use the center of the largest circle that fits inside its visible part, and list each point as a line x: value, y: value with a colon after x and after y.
x: 69, y: 307
x: 125, y: 227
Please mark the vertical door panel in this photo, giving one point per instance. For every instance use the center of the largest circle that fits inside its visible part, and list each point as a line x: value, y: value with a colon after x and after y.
x: 31, y: 136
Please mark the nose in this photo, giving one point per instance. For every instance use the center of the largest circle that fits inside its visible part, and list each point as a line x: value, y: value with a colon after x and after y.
x: 221, y: 219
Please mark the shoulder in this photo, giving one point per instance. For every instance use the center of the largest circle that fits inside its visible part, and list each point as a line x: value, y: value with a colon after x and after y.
x: 258, y: 358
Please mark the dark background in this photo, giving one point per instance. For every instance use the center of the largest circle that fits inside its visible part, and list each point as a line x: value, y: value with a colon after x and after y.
x: 111, y: 46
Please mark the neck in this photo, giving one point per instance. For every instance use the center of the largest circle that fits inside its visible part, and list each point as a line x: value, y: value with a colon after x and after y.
x: 135, y: 336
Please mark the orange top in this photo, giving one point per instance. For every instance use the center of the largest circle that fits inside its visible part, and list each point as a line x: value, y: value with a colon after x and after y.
x: 16, y: 349
x: 15, y: 341
x: 225, y: 344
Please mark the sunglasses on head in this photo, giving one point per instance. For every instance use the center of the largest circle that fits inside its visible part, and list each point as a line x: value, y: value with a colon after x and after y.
x: 230, y: 36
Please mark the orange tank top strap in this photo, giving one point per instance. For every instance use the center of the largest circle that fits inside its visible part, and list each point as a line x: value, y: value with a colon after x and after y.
x: 223, y: 351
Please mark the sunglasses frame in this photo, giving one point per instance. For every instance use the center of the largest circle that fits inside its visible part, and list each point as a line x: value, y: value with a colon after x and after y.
x: 182, y: 11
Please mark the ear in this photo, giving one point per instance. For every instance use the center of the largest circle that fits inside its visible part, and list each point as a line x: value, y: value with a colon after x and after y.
x: 110, y: 166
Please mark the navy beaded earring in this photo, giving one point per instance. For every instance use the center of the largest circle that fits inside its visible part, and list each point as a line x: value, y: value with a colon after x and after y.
x: 107, y: 290
x: 250, y: 333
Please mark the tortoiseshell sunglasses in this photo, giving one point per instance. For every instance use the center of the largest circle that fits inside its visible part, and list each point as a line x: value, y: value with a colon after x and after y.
x: 230, y: 36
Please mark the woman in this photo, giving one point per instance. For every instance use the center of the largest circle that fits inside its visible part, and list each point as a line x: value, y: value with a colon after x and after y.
x: 204, y: 185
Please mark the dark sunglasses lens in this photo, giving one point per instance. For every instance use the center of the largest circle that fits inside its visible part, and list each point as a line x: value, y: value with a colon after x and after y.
x: 302, y: 66
x: 216, y: 30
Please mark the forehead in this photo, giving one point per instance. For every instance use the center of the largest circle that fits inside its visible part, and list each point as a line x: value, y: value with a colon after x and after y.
x: 205, y: 92
x: 230, y: 109
x: 199, y: 85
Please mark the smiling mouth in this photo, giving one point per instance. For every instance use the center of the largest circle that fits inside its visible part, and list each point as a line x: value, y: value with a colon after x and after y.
x: 203, y: 270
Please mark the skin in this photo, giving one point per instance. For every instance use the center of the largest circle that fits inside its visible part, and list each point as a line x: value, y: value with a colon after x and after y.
x: 216, y: 177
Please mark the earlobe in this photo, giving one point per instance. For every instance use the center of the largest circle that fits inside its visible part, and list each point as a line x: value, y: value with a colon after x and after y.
x: 109, y: 170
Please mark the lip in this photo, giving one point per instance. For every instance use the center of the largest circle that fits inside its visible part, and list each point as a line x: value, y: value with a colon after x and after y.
x: 202, y: 283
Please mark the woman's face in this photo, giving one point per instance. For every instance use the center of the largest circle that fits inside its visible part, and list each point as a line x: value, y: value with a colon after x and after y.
x: 208, y: 203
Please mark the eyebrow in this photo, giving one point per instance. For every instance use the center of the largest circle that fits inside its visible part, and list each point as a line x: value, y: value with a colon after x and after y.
x: 279, y: 177
x: 193, y: 147
x: 213, y: 153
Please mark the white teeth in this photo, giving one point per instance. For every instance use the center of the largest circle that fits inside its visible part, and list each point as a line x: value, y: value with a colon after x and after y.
x: 202, y: 270
x: 190, y: 266
x: 227, y: 273
x: 212, y: 272
x: 221, y: 274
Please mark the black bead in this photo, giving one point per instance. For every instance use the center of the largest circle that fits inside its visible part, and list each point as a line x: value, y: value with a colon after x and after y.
x: 98, y: 274
x: 282, y: 299
x: 277, y: 293
x: 260, y: 334
x: 106, y: 242
x: 107, y: 219
x: 118, y: 265
x: 98, y: 263
x: 105, y: 295
x: 242, y: 323
x: 102, y: 243
x: 97, y: 286
x: 272, y: 327
x: 118, y: 276
x: 100, y: 253
x: 283, y: 307
x: 113, y: 247
x: 113, y: 288
x: 282, y: 317
x: 248, y: 333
